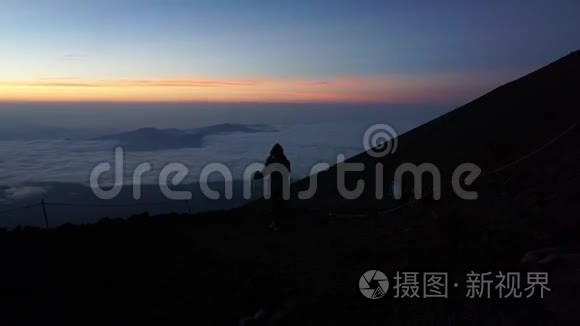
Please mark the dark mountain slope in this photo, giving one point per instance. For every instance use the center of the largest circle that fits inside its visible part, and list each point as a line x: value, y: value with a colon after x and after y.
x: 491, y: 131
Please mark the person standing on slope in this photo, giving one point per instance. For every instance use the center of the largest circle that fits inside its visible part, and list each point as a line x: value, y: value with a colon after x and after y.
x: 277, y: 167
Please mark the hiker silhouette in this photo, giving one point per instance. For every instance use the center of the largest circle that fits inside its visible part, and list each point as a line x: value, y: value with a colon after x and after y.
x: 277, y: 167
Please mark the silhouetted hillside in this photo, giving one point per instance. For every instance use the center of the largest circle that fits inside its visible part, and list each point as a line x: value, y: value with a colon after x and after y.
x: 493, y: 130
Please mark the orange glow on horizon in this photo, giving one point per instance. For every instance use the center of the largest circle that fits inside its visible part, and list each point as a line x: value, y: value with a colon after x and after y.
x: 392, y: 90
x: 183, y: 90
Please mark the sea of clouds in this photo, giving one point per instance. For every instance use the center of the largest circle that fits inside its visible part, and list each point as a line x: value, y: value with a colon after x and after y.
x: 26, y: 164
x: 28, y: 167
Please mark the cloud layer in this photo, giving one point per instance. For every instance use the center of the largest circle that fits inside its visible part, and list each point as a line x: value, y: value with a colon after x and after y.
x: 45, y: 161
x: 22, y: 193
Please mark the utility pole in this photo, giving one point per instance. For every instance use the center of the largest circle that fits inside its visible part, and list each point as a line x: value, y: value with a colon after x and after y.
x: 44, y: 213
x: 187, y: 203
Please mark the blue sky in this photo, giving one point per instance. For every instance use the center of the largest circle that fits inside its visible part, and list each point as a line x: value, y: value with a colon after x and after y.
x: 370, y: 44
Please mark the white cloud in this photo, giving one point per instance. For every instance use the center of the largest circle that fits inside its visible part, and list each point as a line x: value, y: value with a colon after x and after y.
x: 23, y: 192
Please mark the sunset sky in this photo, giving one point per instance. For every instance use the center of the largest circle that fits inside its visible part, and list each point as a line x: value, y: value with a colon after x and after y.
x: 349, y: 51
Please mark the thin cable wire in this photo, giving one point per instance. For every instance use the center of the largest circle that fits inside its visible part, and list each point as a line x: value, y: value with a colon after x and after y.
x: 532, y: 153
x: 496, y: 170
x: 106, y: 205
x: 18, y: 208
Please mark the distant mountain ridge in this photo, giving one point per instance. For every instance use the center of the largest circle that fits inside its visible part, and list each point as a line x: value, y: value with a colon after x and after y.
x: 153, y: 139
